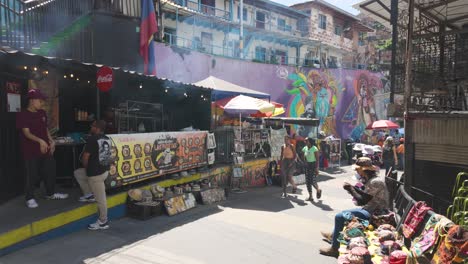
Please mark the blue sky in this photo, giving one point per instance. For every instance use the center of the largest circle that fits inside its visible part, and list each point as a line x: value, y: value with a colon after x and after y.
x: 343, y: 4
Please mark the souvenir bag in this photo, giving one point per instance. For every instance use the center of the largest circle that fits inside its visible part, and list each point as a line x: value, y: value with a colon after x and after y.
x: 453, y: 246
x: 425, y: 242
x: 382, y: 217
x: 398, y: 257
x: 414, y: 219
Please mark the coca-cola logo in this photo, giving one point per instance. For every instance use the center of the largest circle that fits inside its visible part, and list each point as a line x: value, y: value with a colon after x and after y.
x: 107, y: 78
x: 104, y: 78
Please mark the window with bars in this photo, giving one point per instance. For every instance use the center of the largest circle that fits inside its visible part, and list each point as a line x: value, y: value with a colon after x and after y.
x: 338, y: 30
x: 244, y: 15
x: 322, y: 22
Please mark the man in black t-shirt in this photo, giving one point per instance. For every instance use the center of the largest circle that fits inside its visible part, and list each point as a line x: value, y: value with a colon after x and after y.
x: 96, y: 161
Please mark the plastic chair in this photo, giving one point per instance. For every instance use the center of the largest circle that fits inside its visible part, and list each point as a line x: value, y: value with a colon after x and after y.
x: 461, y: 177
x: 463, y: 190
x: 460, y: 208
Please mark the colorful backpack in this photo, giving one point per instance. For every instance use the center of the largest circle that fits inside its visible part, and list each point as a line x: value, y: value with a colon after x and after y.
x: 414, y: 219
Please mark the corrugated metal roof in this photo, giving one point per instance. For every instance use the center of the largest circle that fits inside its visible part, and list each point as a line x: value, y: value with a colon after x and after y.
x: 442, y: 153
x: 454, y: 13
x: 439, y: 131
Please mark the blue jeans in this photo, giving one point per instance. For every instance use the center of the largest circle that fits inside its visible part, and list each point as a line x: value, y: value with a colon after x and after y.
x: 340, y: 220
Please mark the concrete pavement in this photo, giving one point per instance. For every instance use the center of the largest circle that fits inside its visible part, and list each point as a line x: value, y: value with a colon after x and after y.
x: 255, y: 227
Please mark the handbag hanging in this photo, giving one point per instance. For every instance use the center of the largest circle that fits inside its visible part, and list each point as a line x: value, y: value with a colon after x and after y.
x: 414, y: 218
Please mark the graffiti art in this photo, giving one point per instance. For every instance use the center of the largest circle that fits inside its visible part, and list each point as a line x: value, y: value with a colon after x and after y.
x: 344, y: 101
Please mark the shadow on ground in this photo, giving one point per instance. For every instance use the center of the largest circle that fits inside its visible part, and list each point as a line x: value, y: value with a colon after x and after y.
x: 122, y: 233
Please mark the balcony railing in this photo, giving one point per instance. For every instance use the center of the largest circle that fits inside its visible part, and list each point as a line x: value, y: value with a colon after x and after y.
x: 235, y: 53
x: 204, y: 9
x: 24, y: 24
x: 275, y: 27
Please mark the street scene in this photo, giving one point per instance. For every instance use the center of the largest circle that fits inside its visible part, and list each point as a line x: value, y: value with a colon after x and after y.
x: 228, y: 131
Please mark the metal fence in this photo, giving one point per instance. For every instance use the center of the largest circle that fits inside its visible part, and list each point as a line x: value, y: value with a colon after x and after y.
x: 26, y: 24
x: 227, y: 51
x: 204, y: 9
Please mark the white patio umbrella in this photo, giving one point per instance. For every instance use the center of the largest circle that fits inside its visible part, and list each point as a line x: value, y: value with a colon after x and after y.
x: 247, y: 105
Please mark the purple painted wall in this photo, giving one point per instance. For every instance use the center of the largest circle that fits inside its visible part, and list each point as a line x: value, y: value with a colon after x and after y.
x: 345, y: 101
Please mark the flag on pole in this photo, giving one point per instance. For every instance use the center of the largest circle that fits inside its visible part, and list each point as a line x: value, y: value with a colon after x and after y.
x: 148, y: 28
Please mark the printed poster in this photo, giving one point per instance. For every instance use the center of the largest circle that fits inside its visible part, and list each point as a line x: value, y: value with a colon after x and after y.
x: 149, y: 155
x: 179, y: 204
x: 13, y: 97
x: 276, y: 142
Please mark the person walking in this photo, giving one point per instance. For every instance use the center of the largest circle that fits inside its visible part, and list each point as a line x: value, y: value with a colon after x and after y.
x: 96, y: 162
x: 37, y: 148
x: 288, y: 158
x: 311, y: 157
x: 389, y: 155
x: 401, y: 154
x: 374, y: 196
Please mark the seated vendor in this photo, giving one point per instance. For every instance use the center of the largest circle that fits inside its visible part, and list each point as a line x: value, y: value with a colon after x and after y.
x: 373, y: 197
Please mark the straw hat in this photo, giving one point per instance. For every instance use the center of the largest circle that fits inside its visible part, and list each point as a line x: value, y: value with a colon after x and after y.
x: 364, y: 163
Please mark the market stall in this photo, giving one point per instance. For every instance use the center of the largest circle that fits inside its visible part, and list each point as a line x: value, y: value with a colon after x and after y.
x: 135, y: 106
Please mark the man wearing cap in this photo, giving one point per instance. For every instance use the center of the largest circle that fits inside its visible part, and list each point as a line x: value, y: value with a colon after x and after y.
x: 96, y: 161
x: 37, y: 147
x: 373, y: 197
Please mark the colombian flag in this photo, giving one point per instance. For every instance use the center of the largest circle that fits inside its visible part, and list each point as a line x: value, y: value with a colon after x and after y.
x: 148, y: 28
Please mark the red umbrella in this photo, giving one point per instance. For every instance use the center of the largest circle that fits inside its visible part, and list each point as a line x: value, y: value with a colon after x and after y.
x: 383, y: 124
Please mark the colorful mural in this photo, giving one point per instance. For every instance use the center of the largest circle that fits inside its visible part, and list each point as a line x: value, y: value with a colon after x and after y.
x: 345, y: 101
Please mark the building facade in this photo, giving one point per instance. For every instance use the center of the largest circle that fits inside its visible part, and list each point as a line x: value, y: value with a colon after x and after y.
x: 341, y: 34
x: 271, y: 33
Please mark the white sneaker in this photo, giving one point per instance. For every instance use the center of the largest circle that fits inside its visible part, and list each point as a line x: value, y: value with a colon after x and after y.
x: 31, y: 203
x: 88, y: 198
x: 99, y: 225
x: 57, y: 196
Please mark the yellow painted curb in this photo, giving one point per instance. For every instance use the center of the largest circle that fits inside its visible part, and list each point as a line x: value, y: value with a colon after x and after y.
x: 47, y: 224
x: 15, y: 236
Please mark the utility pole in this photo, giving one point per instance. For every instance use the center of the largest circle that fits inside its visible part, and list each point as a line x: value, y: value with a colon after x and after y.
x: 394, y: 20
x: 241, y: 34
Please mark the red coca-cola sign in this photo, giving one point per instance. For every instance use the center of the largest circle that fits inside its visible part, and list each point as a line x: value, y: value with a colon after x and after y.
x: 104, y: 80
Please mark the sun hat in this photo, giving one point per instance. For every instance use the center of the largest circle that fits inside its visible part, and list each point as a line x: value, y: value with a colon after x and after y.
x: 368, y: 150
x: 377, y: 148
x: 358, y: 147
x: 364, y: 163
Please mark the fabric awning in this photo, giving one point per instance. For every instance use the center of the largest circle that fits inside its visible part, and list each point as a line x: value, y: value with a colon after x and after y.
x: 295, y: 120
x: 223, y: 89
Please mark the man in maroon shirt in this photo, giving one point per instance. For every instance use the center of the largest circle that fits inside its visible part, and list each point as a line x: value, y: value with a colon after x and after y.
x: 37, y: 147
